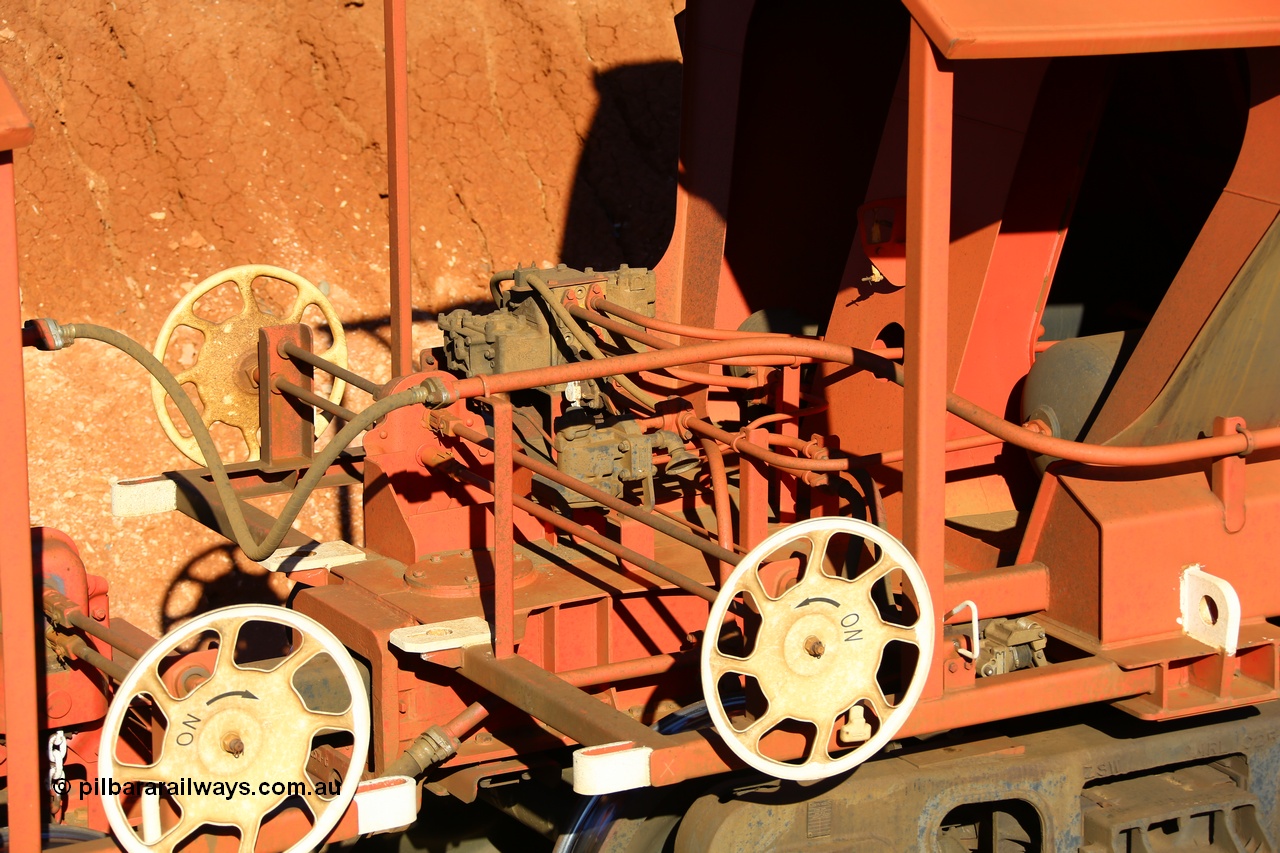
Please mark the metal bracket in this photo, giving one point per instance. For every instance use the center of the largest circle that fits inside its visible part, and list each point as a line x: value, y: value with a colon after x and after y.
x: 442, y: 636
x: 1227, y: 474
x: 143, y: 496
x: 386, y: 804
x: 322, y: 555
x: 610, y: 767
x: 1210, y: 609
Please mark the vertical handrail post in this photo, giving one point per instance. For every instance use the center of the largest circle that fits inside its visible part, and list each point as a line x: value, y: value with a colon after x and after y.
x: 395, y: 24
x: 17, y: 580
x: 929, y: 121
x: 504, y: 592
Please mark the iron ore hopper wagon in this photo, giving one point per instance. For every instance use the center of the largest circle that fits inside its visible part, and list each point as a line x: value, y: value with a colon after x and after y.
x: 924, y: 496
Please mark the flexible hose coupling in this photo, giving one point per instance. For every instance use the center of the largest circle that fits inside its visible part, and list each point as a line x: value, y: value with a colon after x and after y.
x: 435, y: 392
x: 47, y: 334
x: 432, y: 747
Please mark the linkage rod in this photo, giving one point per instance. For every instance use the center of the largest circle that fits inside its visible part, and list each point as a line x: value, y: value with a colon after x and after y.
x: 292, y: 350
x: 589, y: 536
x: 602, y: 497
x: 78, y: 648
x: 65, y: 612
x: 284, y: 386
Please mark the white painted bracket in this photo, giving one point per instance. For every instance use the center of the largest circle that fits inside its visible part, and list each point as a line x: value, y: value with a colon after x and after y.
x: 321, y: 555
x: 143, y: 496
x: 610, y: 767
x: 442, y: 636
x: 1210, y: 609
x: 384, y: 804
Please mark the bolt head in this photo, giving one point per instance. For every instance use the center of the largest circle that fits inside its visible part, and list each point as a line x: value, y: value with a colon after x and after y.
x: 232, y: 744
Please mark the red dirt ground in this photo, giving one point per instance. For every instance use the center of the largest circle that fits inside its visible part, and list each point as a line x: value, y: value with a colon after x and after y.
x: 178, y: 139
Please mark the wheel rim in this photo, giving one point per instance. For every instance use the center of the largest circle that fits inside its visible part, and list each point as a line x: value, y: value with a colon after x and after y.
x: 231, y: 345
x: 273, y: 726
x: 817, y: 651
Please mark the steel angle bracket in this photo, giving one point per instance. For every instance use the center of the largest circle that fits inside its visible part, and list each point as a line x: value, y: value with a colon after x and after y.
x: 143, y: 496
x: 442, y: 636
x: 1210, y: 609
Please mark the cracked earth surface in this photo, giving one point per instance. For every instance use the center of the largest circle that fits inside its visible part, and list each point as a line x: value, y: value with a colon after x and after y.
x: 174, y: 140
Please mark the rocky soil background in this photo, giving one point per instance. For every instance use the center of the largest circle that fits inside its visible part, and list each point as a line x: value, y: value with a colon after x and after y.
x: 177, y: 139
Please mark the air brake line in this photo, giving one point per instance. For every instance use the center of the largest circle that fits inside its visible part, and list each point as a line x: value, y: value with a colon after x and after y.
x: 253, y: 549
x: 584, y: 340
x: 796, y: 351
x: 799, y: 350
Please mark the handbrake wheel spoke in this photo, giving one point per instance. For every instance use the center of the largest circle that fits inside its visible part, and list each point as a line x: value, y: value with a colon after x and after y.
x: 818, y: 649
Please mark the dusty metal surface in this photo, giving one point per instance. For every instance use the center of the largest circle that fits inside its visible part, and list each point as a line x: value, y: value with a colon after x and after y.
x: 556, y: 502
x: 1083, y: 786
x: 224, y: 369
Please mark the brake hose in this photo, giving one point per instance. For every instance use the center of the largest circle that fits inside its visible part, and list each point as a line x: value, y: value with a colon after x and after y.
x: 253, y: 549
x: 584, y: 339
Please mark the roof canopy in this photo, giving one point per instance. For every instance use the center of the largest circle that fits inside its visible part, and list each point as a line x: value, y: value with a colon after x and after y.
x: 993, y: 29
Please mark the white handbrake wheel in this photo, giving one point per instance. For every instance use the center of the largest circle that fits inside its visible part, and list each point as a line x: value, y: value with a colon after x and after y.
x: 816, y: 650
x: 247, y: 728
x: 224, y: 363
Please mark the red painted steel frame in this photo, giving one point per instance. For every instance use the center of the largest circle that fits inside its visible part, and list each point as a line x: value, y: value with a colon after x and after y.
x: 17, y: 588
x: 924, y: 467
x: 288, y: 431
x: 1080, y: 682
x: 1001, y: 591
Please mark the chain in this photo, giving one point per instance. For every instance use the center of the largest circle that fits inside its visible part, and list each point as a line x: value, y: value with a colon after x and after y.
x: 57, y: 753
